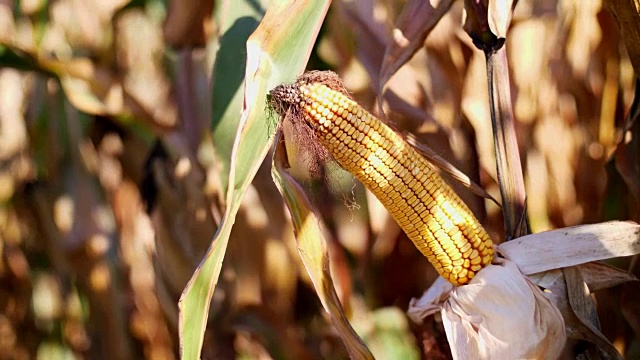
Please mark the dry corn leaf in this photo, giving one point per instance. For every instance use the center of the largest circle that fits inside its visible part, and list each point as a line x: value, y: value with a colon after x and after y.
x: 600, y: 276
x: 414, y: 24
x: 627, y: 12
x: 370, y: 32
x: 499, y: 16
x: 443, y: 164
x: 313, y: 251
x: 506, y: 145
x: 626, y: 154
x: 584, y: 318
x: 183, y: 221
x: 573, y: 246
x: 569, y: 293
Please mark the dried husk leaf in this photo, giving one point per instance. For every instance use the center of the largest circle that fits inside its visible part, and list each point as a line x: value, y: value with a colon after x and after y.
x: 500, y: 314
x: 585, y: 323
x: 567, y: 291
x: 600, y: 276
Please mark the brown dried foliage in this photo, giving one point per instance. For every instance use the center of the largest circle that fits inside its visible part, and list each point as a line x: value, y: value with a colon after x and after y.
x: 85, y: 271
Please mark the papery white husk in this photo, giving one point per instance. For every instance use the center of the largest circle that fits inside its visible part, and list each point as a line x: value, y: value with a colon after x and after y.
x: 500, y: 314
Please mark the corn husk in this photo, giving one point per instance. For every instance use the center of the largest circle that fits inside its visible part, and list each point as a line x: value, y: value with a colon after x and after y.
x: 503, y: 314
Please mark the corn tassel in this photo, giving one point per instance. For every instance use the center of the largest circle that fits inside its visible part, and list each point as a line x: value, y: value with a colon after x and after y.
x: 437, y: 221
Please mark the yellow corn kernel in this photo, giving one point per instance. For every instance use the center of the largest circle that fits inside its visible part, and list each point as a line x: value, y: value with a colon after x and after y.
x: 440, y: 225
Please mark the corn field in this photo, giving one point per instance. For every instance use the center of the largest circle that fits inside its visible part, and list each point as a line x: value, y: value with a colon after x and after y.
x: 162, y: 197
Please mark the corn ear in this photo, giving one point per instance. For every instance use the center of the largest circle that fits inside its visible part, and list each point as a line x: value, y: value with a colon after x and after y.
x: 437, y: 221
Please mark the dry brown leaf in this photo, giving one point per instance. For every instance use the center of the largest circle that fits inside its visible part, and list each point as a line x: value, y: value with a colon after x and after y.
x: 183, y: 221
x: 414, y: 24
x: 506, y: 145
x: 627, y: 13
x: 600, y: 276
x: 583, y: 308
x: 370, y: 32
x: 577, y: 326
x: 184, y: 24
x: 627, y: 154
x: 444, y: 165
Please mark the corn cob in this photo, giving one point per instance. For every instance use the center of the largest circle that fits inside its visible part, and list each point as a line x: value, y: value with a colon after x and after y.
x: 437, y: 221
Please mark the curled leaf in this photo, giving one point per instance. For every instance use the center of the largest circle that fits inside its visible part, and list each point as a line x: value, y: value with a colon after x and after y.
x: 572, y: 246
x: 499, y: 16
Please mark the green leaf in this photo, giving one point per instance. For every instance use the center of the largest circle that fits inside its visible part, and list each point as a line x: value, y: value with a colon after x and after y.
x: 276, y: 52
x: 238, y: 20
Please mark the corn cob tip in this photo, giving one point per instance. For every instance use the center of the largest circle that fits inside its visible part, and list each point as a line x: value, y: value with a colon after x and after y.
x: 282, y: 97
x: 287, y: 99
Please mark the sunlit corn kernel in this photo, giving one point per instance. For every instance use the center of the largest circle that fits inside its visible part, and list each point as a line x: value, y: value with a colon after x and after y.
x: 466, y: 247
x: 447, y: 226
x: 433, y: 225
x: 375, y: 137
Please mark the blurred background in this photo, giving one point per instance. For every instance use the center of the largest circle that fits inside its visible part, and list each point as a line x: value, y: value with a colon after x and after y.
x: 111, y: 184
